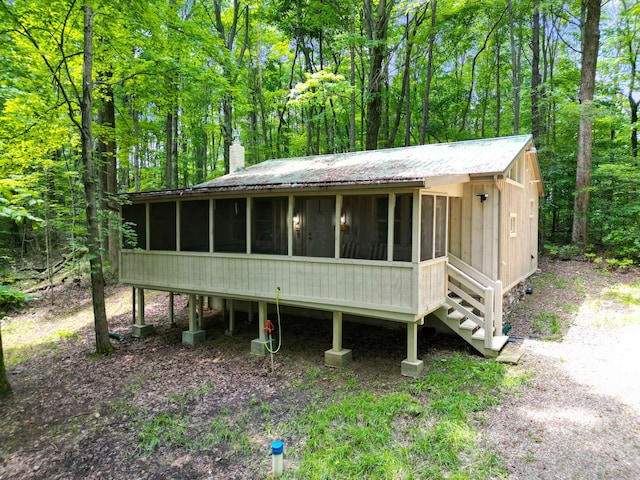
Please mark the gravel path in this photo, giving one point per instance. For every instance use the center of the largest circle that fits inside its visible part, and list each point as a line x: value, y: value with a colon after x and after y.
x: 579, y: 417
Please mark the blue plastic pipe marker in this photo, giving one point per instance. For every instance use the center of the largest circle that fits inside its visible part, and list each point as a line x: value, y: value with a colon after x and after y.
x: 277, y: 451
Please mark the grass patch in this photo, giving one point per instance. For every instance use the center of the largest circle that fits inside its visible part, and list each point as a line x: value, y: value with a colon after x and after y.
x: 547, y: 280
x: 548, y: 325
x: 627, y: 295
x: 164, y: 430
x: 424, y: 430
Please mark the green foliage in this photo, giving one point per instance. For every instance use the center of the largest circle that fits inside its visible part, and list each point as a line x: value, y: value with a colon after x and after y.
x: 164, y: 431
x: 286, y: 84
x: 11, y: 299
x: 548, y: 325
x: 426, y: 432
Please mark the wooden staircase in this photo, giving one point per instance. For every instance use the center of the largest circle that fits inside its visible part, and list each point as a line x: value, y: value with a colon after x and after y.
x: 473, y: 308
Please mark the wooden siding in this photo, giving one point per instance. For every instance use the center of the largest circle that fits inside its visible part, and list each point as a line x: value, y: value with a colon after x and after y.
x: 390, y: 290
x: 478, y: 228
x: 519, y: 248
x: 433, y: 285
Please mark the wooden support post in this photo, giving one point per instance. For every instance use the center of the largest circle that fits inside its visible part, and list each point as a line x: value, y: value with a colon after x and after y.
x: 200, y: 321
x: 192, y: 313
x: 257, y: 345
x: 139, y: 329
x: 411, y: 366
x: 232, y: 319
x: 172, y: 318
x: 337, y: 356
x: 140, y: 306
x: 133, y: 305
x: 195, y: 334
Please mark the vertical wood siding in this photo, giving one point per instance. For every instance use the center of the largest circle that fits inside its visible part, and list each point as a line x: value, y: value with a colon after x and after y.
x: 403, y: 290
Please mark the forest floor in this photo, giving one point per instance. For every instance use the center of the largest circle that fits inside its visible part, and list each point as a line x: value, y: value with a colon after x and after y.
x: 157, y: 409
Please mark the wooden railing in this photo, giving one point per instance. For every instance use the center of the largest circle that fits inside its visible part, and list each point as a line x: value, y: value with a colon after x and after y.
x: 480, y: 293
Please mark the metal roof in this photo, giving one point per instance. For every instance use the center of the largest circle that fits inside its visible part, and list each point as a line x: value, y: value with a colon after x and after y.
x: 422, y: 165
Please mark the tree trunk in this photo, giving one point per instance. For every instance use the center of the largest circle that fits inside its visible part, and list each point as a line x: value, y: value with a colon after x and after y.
x: 427, y: 87
x: 108, y: 175
x: 89, y: 177
x: 5, y: 386
x: 516, y: 54
x: 168, y: 166
x: 377, y: 34
x: 352, y: 83
x: 536, y: 79
x: 590, y: 44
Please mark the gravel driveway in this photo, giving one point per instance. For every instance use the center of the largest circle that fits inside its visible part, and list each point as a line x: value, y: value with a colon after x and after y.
x: 579, y: 417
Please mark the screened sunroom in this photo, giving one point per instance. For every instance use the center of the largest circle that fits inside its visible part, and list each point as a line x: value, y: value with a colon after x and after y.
x: 368, y: 234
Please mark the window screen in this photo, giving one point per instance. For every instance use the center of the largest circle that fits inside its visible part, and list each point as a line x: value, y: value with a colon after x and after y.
x: 230, y: 225
x: 162, y: 226
x: 426, y: 228
x: 269, y: 226
x: 134, y: 225
x: 194, y: 226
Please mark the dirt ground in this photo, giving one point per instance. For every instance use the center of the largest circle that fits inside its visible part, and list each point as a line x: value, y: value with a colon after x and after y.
x: 72, y: 414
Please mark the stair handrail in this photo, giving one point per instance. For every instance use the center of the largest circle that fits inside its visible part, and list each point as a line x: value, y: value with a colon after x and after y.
x: 480, y: 280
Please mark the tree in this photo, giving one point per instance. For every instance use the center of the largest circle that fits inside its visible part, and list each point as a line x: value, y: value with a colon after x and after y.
x: 590, y: 44
x: 72, y: 96
x: 5, y: 386
x: 89, y: 176
x: 376, y: 26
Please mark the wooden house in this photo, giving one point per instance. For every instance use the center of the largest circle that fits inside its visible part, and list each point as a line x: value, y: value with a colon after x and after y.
x: 396, y: 234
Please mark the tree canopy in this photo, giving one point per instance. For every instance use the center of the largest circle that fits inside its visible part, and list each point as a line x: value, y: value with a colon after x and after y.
x: 175, y: 80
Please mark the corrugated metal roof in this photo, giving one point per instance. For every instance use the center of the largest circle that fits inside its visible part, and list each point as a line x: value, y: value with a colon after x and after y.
x: 394, y: 165
x: 419, y: 165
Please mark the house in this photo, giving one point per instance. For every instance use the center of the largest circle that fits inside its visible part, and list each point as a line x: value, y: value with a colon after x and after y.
x: 445, y: 230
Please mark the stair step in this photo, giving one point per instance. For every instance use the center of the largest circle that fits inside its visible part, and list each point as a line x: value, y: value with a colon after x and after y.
x: 499, y: 342
x: 469, y: 325
x: 455, y: 298
x: 478, y: 334
x: 455, y: 315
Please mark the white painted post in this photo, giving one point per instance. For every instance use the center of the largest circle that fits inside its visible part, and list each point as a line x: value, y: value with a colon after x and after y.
x: 257, y: 345
x: 139, y: 329
x: 412, y: 342
x: 391, y: 226
x: 497, y: 300
x: 337, y: 331
x: 488, y: 318
x: 337, y: 356
x: 195, y: 334
x: 232, y: 318
x: 338, y: 229
x: 411, y: 366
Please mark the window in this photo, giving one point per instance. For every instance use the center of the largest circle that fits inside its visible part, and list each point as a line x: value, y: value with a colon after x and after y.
x: 230, y: 225
x: 162, y: 225
x: 194, y: 226
x: 134, y: 226
x: 364, y: 233
x: 513, y: 225
x: 269, y: 226
x: 433, y: 227
x: 515, y: 171
x: 532, y: 208
x: 402, y: 227
x: 426, y: 231
x: 441, y: 227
